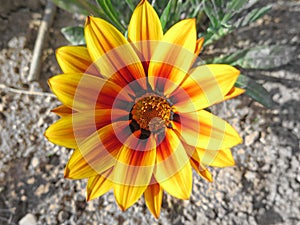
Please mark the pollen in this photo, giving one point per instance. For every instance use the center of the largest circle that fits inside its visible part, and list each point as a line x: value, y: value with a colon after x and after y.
x: 152, y: 113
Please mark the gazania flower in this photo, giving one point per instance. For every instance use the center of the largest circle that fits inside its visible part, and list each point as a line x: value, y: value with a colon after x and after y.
x: 134, y: 112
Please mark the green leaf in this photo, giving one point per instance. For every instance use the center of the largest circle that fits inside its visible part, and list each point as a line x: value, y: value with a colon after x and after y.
x: 75, y: 35
x: 130, y: 4
x: 164, y: 18
x: 266, y: 57
x: 76, y: 6
x: 261, y: 57
x: 236, y: 5
x: 211, y: 14
x: 252, y: 16
x: 111, y: 13
x: 255, y: 91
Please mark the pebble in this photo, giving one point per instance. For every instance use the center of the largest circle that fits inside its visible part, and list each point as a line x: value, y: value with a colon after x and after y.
x: 28, y: 219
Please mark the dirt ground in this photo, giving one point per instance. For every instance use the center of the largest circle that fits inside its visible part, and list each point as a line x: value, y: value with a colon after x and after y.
x: 263, y: 188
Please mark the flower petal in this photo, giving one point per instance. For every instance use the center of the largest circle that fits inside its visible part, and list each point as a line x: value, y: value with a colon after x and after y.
x: 220, y: 158
x: 96, y: 154
x: 199, y: 45
x: 204, y: 130
x: 75, y: 59
x: 144, y: 26
x: 98, y: 185
x: 153, y: 198
x: 234, y: 92
x: 201, y: 170
x: 62, y: 110
x: 74, y: 128
x: 205, y: 86
x: 173, y: 170
x: 133, y: 170
x: 179, y: 41
x: 182, y: 33
x: 83, y: 92
x: 111, y: 52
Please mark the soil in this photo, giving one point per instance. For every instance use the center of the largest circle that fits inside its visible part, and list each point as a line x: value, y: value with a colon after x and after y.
x: 263, y: 188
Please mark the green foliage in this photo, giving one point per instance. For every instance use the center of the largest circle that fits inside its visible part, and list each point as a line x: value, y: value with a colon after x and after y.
x: 75, y: 35
x: 227, y: 16
x: 260, y: 57
x: 111, y: 13
x: 77, y: 6
x: 216, y: 18
x: 255, y: 91
x: 174, y: 10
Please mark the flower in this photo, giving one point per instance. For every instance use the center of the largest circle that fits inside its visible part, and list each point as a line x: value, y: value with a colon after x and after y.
x: 135, y: 112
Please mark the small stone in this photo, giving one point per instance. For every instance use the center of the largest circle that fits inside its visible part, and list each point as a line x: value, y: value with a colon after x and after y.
x: 249, y: 139
x: 34, y: 162
x: 28, y: 219
x: 17, y: 42
x: 250, y: 176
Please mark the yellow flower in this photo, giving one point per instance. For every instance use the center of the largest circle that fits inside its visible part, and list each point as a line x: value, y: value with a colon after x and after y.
x: 134, y: 110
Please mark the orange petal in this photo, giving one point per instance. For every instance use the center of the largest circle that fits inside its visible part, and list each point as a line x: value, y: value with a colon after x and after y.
x: 205, y: 86
x: 201, y: 170
x: 204, y: 130
x: 153, y: 198
x: 179, y: 41
x: 62, y: 110
x: 84, y: 92
x: 95, y: 154
x: 111, y: 52
x: 173, y: 170
x: 98, y: 185
x: 144, y: 26
x: 74, y: 128
x: 199, y: 45
x: 75, y: 59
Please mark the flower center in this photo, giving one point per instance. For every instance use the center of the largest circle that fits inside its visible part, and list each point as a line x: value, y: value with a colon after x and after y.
x: 152, y: 113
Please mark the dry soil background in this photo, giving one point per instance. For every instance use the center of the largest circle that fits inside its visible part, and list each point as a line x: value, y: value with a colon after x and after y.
x: 263, y: 188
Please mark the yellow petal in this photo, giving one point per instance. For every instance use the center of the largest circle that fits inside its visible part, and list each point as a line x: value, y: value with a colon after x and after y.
x: 204, y: 130
x: 153, y: 198
x: 111, y: 52
x: 144, y: 26
x: 173, y: 170
x: 199, y: 45
x: 75, y: 59
x: 205, y: 86
x: 220, y: 158
x: 96, y: 154
x: 74, y: 128
x: 179, y: 41
x: 98, y: 185
x: 201, y: 170
x: 135, y: 162
x: 182, y: 33
x: 126, y: 195
x: 78, y: 168
x: 133, y: 170
x: 84, y: 92
x: 234, y: 92
x: 63, y: 110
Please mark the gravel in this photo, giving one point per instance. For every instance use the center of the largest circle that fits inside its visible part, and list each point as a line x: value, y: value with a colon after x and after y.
x: 263, y: 188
